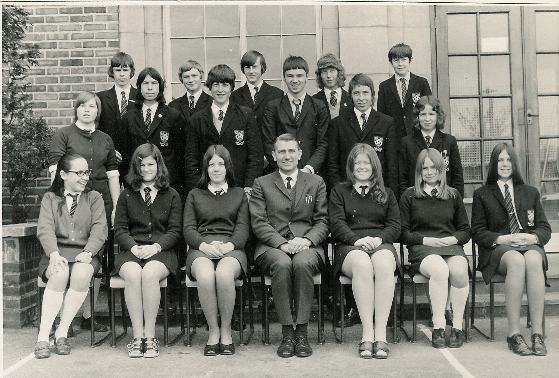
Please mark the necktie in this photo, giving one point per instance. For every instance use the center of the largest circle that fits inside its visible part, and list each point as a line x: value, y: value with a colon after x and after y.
x: 147, y: 197
x: 74, y: 203
x: 297, y: 104
x: 123, y: 104
x: 255, y: 93
x: 220, y: 116
x: 434, y: 192
x: 333, y: 99
x: 363, y: 190
x: 191, y: 102
x: 404, y: 90
x: 288, y: 179
x: 219, y: 192
x: 513, y: 222
x: 364, y: 120
x: 147, y: 121
x: 428, y: 141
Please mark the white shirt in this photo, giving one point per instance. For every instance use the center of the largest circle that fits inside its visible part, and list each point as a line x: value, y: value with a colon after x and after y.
x: 152, y: 194
x: 119, y: 91
x: 196, y: 95
x: 293, y: 178
x: 69, y: 199
x: 145, y: 110
x: 214, y: 189
x: 431, y: 134
x: 252, y: 87
x: 358, y: 115
x: 291, y: 98
x: 501, y: 185
x: 357, y: 187
x: 334, y: 110
x: 428, y: 188
x: 215, y: 111
x: 399, y: 84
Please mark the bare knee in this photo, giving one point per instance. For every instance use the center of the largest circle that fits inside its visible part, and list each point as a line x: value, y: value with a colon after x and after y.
x: 203, y: 270
x: 357, y: 264
x: 534, y: 262
x: 132, y: 273
x: 513, y: 264
x: 225, y: 271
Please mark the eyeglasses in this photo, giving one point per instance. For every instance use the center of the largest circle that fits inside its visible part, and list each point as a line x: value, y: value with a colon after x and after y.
x: 82, y: 173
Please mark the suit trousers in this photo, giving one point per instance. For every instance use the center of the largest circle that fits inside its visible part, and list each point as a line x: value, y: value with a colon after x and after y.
x: 292, y: 279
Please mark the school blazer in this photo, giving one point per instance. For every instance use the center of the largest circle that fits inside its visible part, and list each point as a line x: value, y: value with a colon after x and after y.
x: 379, y: 132
x: 389, y: 102
x: 181, y: 104
x: 345, y: 101
x: 490, y: 217
x: 266, y: 93
x: 310, y: 130
x: 273, y: 214
x: 239, y: 134
x: 412, y: 145
x: 166, y: 132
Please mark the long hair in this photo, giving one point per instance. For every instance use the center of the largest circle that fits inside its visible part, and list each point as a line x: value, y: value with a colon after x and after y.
x: 445, y: 192
x: 134, y: 176
x: 492, y: 172
x: 150, y: 71
x: 250, y: 58
x: 376, y: 180
x: 57, y: 186
x: 84, y: 97
x: 221, y: 151
x: 435, y: 104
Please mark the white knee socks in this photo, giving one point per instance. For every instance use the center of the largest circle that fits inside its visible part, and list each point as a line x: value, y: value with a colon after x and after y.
x: 72, y: 303
x: 458, y: 298
x: 438, y: 291
x: 52, y: 301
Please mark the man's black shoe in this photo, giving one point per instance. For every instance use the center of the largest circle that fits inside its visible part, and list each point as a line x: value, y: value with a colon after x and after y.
x: 302, y: 346
x: 287, y: 347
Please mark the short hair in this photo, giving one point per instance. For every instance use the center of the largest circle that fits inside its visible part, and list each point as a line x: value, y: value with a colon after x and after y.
x: 221, y: 73
x: 376, y: 180
x: 361, y: 79
x: 401, y: 50
x: 134, y: 176
x: 445, y: 191
x: 330, y: 61
x: 150, y: 71
x: 287, y: 137
x: 189, y: 65
x: 435, y: 104
x: 121, y: 59
x: 84, y: 97
x: 293, y: 62
x: 222, y: 152
x: 492, y: 172
x: 250, y: 58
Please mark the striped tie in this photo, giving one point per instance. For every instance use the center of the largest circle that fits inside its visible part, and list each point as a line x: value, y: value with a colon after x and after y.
x: 297, y: 103
x: 147, y: 198
x: 123, y: 104
x: 363, y: 120
x: 333, y: 99
x: 147, y: 121
x: 404, y: 90
x: 74, y: 203
x: 255, y: 94
x: 513, y: 221
x: 428, y: 141
x: 191, y: 103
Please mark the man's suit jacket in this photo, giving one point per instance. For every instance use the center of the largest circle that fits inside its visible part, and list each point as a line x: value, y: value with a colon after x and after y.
x: 412, y: 145
x: 310, y: 130
x: 266, y: 93
x: 379, y: 133
x: 490, y: 217
x: 345, y: 102
x: 239, y: 134
x: 181, y: 104
x: 166, y: 132
x: 273, y: 214
x: 389, y: 102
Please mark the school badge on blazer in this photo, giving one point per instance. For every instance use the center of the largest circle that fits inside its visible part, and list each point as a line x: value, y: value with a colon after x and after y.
x: 446, y: 159
x: 530, y: 214
x: 308, y: 199
x: 239, y: 137
x: 379, y: 142
x: 415, y: 96
x: 164, y: 138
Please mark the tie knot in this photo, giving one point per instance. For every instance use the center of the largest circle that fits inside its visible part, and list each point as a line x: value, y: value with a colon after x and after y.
x: 147, y: 189
x: 363, y: 189
x: 74, y: 196
x: 506, y: 186
x: 288, y: 179
x: 403, y: 80
x: 191, y: 98
x: 364, y: 117
x: 123, y: 94
x: 255, y: 90
x: 434, y: 192
x: 219, y: 192
x: 220, y: 116
x: 296, y: 102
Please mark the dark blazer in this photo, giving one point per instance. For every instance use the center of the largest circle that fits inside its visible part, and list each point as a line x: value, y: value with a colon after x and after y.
x: 166, y: 132
x: 412, y: 145
x: 273, y: 214
x: 345, y: 103
x: 310, y: 130
x: 379, y: 132
x: 490, y: 217
x: 181, y: 104
x: 239, y: 135
x: 390, y: 104
x: 266, y: 93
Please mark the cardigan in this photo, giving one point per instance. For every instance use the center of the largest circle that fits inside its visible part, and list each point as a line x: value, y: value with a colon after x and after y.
x: 433, y: 217
x: 206, y: 214
x: 353, y: 216
x: 139, y: 224
x: 85, y: 231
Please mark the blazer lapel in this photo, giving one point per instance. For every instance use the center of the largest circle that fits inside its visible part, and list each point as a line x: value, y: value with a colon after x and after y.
x: 279, y: 183
x: 113, y: 102
x: 300, y: 187
x: 419, y: 140
x: 497, y: 193
x: 304, y: 109
x: 353, y: 123
x: 229, y: 116
x: 411, y: 87
x: 157, y: 117
x: 517, y: 189
x: 437, y: 141
x: 394, y: 90
x: 345, y: 101
x: 285, y: 107
x: 247, y: 98
x: 370, y: 125
x: 203, y: 101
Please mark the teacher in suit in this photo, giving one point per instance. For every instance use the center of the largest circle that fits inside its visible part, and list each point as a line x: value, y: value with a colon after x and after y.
x: 510, y: 228
x: 289, y: 218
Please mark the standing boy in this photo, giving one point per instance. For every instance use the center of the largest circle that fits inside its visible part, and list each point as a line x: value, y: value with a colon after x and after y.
x: 191, y: 74
x: 330, y: 77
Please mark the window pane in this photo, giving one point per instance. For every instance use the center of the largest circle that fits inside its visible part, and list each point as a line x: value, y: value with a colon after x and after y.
x: 223, y: 51
x: 470, y: 155
x: 222, y: 20
x: 548, y: 74
x: 195, y: 25
x: 462, y: 33
x: 263, y: 19
x: 494, y: 32
x: 184, y: 49
x: 177, y: 90
x: 495, y: 75
x: 550, y: 202
x: 549, y: 115
x: 462, y: 73
x: 487, y: 148
x: 464, y: 117
x: 297, y: 19
x: 547, y: 38
x: 497, y: 117
x: 270, y: 48
x: 303, y: 45
x: 549, y: 158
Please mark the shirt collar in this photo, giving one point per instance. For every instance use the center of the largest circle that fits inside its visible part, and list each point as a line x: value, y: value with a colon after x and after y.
x: 357, y: 188
x: 337, y: 90
x: 216, y: 109
x: 502, y: 185
x: 66, y: 192
x: 126, y: 90
x: 431, y: 134
x: 151, y: 186
x: 88, y: 130
x: 291, y: 98
x: 196, y: 95
x: 407, y: 77
x: 428, y: 188
x: 293, y: 176
x: 152, y: 107
x: 251, y: 86
x: 213, y: 189
x: 358, y: 113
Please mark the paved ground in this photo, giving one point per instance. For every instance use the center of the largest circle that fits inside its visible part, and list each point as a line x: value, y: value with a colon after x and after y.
x: 479, y: 358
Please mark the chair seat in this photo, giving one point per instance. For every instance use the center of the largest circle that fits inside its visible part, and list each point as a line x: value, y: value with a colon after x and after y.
x: 345, y: 280
x: 190, y: 283
x: 317, y: 280
x: 498, y: 278
x: 117, y: 282
x: 420, y: 279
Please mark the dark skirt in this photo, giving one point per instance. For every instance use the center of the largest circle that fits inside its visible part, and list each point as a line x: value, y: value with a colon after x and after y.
x: 167, y: 258
x: 193, y: 254
x: 418, y: 252
x: 341, y: 251
x: 497, y: 253
x: 44, y: 264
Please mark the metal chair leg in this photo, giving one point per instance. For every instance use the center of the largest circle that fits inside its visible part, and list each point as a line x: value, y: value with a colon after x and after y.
x: 414, y: 331
x: 241, y: 308
x: 92, y: 307
x: 250, y: 311
x: 492, y: 309
x: 188, y: 309
x: 320, y: 319
x: 342, y: 312
x: 266, y: 319
x: 165, y: 318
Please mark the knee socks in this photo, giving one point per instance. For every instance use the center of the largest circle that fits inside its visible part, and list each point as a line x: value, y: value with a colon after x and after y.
x: 72, y: 303
x: 438, y: 291
x: 458, y: 298
x: 52, y: 301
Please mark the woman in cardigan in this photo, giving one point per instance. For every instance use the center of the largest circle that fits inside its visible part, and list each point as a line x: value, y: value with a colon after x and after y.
x: 510, y: 228
x: 435, y: 227
x: 216, y: 227
x: 147, y: 229
x: 365, y: 221
x: 72, y: 229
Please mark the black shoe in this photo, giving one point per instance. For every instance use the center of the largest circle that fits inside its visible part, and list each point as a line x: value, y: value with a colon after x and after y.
x: 97, y: 326
x: 351, y: 318
x: 302, y: 346
x: 227, y: 349
x: 456, y: 339
x: 287, y: 347
x: 538, y: 346
x: 211, y: 350
x: 437, y: 340
x: 518, y: 345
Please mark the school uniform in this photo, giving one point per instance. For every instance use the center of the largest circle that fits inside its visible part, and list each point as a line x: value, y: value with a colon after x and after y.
x: 342, y: 103
x: 245, y: 97
x: 354, y: 216
x: 182, y: 104
x: 490, y: 219
x: 137, y: 223
x: 390, y: 101
x: 430, y: 216
x: 378, y: 131
x: 412, y: 145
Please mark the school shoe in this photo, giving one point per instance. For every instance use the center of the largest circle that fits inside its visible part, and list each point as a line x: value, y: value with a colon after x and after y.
x: 151, y: 347
x: 62, y: 346
x: 287, y: 347
x: 42, y: 349
x: 437, y: 339
x: 456, y: 339
x: 302, y: 346
x: 97, y: 326
x: 350, y: 319
x: 538, y: 346
x: 518, y: 345
x: 135, y: 348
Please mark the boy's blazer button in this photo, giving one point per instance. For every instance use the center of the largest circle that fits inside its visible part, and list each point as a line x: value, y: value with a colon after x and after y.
x: 149, y: 236
x: 149, y: 224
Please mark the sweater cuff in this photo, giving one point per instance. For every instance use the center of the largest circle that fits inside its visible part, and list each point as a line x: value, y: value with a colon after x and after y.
x: 352, y: 240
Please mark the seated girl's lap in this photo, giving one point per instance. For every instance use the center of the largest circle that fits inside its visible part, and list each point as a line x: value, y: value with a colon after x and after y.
x: 204, y: 263
x: 136, y: 267
x: 357, y: 257
x: 514, y: 256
